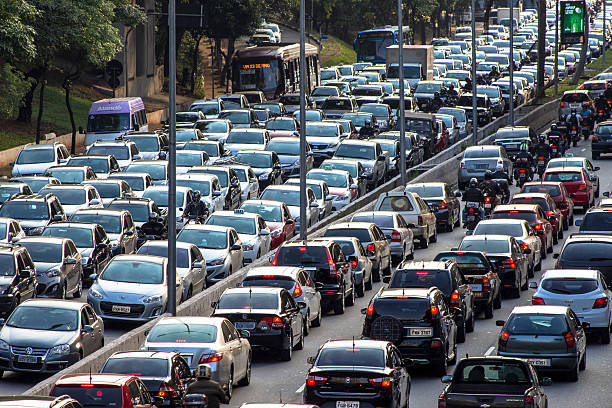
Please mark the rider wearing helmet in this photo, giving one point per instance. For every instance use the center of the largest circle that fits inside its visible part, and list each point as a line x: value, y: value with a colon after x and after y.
x: 451, y: 90
x: 503, y: 181
x: 489, y: 185
x: 494, y: 74
x: 153, y: 226
x: 473, y: 194
x: 524, y: 160
x: 196, y: 208
x: 204, y: 384
x: 366, y: 131
x: 542, y: 148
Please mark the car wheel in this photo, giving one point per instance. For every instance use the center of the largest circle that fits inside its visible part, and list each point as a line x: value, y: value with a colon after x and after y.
x: 555, y: 239
x: 317, y: 320
x: 306, y: 323
x: 450, y: 226
x: 424, y: 243
x: 516, y: 292
x: 376, y: 272
x: 572, y: 375
x: 368, y: 284
x: 469, y: 325
x: 543, y: 254
x: 288, y: 353
x: 488, y: 310
x: 550, y: 248
x: 79, y: 290
x: 565, y: 225
x: 538, y: 267
x: 582, y: 365
x: 189, y: 293
x: 247, y: 376
x: 604, y: 336
x: 230, y: 384
x: 497, y: 301
x: 434, y: 237
x: 387, y: 271
x: 339, y: 306
x: 350, y: 299
x: 300, y: 345
x: 524, y: 285
x: 360, y: 289
x: 530, y: 273
x: 461, y: 332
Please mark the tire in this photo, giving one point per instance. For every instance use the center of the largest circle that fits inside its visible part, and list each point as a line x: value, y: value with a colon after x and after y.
x: 550, y: 249
x: 604, y: 336
x: 453, y: 360
x: 286, y: 355
x: 565, y: 225
x: 450, y: 226
x: 434, y: 237
x: 360, y: 289
x: 79, y: 290
x: 594, y: 156
x: 488, y: 310
x: 300, y: 345
x: 339, y: 306
x: 350, y: 300
x: 368, y: 284
x: 440, y: 368
x: 424, y: 243
x: 230, y: 384
x: 560, y: 235
x: 387, y: 271
x: 538, y: 267
x: 582, y: 365
x: 317, y: 320
x: 246, y: 380
x: 461, y: 332
x: 307, y: 324
x: 597, y: 192
x: 469, y: 325
x: 497, y: 301
x: 376, y: 273
x: 530, y: 272
x: 62, y: 294
x: 189, y: 293
x: 515, y: 292
x: 555, y: 239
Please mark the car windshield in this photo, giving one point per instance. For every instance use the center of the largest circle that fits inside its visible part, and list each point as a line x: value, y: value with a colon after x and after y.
x: 206, y: 108
x: 426, y: 191
x: 351, y: 168
x: 563, y: 176
x: 82, y: 237
x: 98, y: 165
x: 7, y: 191
x: 36, y: 184
x: 91, y: 396
x: 156, y: 172
x: 241, y: 137
x: 35, y: 156
x: 325, y: 91
x: 236, y: 117
x: 492, y: 373
x: 242, y: 225
x: 183, y: 333
x: 289, y: 197
x: 129, y: 271
x: 321, y: 130
x: 25, y: 210
x: 161, y: 197
x: 412, y: 278
x: 415, y: 309
x: 66, y: 175
x: 203, y: 238
x: 281, y: 124
x: 362, y: 234
x: 347, y: 356
x: 358, y: 120
x: 248, y: 300
x: 502, y: 228
x: 551, y: 190
x: 67, y: 196
x: 110, y: 223
x: 140, y: 213
x: 399, y: 203
x: 120, y: 152
x: 569, y: 286
x: 212, y: 126
x: 428, y: 87
x: 536, y: 324
x: 212, y: 149
x: 185, y: 135
x: 332, y: 179
x: 271, y: 213
x: 55, y: 318
x: 493, y: 246
x: 196, y: 185
x: 106, y: 190
x: 182, y: 254
x: 284, y: 148
x: 138, y: 366
x: 255, y: 160
x: 356, y: 151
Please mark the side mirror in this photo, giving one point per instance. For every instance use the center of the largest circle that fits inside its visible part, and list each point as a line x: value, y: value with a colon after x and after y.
x: 264, y: 232
x: 235, y: 247
x: 213, y: 305
x: 447, y: 379
x: 302, y: 305
x: 276, y: 167
x: 469, y: 232
x: 386, y: 279
x: 500, y: 323
x: 70, y: 261
x: 94, y: 202
x: 93, y: 276
x: 546, y: 381
x: 533, y: 285
x: 309, y: 360
x: 198, y: 265
x: 244, y: 334
x: 87, y: 329
x: 314, y: 205
x: 162, y: 155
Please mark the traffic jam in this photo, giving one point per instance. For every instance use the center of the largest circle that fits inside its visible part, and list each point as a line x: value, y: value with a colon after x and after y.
x: 517, y: 245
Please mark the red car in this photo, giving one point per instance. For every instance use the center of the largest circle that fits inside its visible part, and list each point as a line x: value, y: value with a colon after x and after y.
x: 576, y: 181
x: 105, y: 390
x: 277, y: 217
x: 556, y: 190
x: 548, y: 206
x: 536, y: 218
x: 282, y: 127
x: 442, y: 138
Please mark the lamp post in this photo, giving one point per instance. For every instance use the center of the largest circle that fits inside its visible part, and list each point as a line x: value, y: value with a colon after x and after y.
x: 511, y: 90
x: 303, y: 200
x: 400, y: 26
x: 171, y: 308
x: 474, y: 98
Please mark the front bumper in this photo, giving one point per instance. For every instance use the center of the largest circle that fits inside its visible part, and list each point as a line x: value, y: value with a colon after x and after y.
x: 139, y: 312
x: 48, y: 287
x: 9, y: 361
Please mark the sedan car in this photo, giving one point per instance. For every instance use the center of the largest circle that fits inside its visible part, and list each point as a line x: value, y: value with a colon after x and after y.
x: 282, y: 127
x: 548, y: 206
x: 69, y: 332
x: 186, y: 159
x: 102, y: 165
x: 576, y: 161
x: 215, y: 129
x: 288, y: 151
x: 290, y: 195
x: 556, y: 191
x: 277, y: 216
x: 249, y: 182
x: 265, y: 164
x: 110, y: 189
x: 118, y: 225
x: 133, y: 288
x: 354, y: 168
x: 396, y: 230
x: 205, y: 340
x: 370, y: 154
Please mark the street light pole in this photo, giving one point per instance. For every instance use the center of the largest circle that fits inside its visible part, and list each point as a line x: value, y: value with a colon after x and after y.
x: 511, y: 55
x: 400, y: 26
x: 556, y: 80
x: 171, y: 307
x: 605, y: 32
x: 474, y: 99
x: 303, y: 200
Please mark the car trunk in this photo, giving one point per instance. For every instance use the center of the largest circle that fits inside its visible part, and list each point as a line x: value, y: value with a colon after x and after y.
x: 480, y: 395
x: 536, y: 344
x: 572, y: 186
x: 352, y: 380
x: 245, y: 319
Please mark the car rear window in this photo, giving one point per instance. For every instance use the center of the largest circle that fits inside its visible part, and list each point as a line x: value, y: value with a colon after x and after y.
x: 502, y: 228
x: 587, y: 252
x: 597, y: 221
x: 485, y: 245
x: 538, y: 201
x: 400, y: 203
x: 383, y: 221
x: 553, y: 191
x: 492, y: 373
x: 183, y: 333
x: 276, y: 281
x: 349, y: 356
x: 301, y: 255
x: 565, y: 176
x: 414, y: 278
x: 426, y: 191
x: 247, y: 300
x: 575, y: 97
x: 403, y: 309
x: 536, y: 324
x: 481, y: 154
x: 569, y: 286
x: 361, y: 234
x: 91, y: 396
x: 515, y: 215
x: 138, y: 366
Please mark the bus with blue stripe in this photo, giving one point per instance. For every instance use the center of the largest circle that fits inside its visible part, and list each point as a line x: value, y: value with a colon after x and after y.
x: 371, y: 45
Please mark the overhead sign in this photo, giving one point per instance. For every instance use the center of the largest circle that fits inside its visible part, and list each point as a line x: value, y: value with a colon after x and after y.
x: 572, y: 21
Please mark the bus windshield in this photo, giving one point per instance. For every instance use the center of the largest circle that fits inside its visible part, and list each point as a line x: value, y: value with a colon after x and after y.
x: 257, y: 75
x: 372, y: 45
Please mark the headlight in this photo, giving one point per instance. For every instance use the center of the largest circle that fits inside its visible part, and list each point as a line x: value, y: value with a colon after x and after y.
x: 216, y: 262
x: 263, y: 176
x: 248, y: 247
x: 368, y: 169
x: 95, y: 294
x: 152, y: 299
x: 60, y: 350
x: 53, y: 273
x: 4, y: 346
x: 114, y: 244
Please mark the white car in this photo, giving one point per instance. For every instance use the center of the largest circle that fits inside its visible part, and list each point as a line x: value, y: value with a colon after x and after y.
x: 215, y: 129
x: 102, y: 165
x: 275, y: 30
x: 125, y: 151
x: 186, y: 159
x: 159, y: 194
x: 10, y: 230
x: 340, y: 183
x: 209, y: 187
x: 251, y: 228
x: 110, y: 189
x: 247, y: 139
x: 322, y: 196
x: 74, y: 197
x: 35, y: 159
x: 249, y: 183
x: 138, y: 182
x: 220, y: 246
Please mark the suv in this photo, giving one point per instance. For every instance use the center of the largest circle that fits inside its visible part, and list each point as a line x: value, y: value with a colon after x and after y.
x: 447, y: 277
x: 418, y: 321
x: 442, y: 201
x: 370, y: 154
x: 36, y: 401
x: 327, y: 266
x: 587, y: 251
x: 35, y: 159
x: 573, y: 100
x: 18, y: 277
x: 34, y: 212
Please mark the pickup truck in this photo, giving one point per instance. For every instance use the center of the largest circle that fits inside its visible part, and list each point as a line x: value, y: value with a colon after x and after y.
x: 493, y: 382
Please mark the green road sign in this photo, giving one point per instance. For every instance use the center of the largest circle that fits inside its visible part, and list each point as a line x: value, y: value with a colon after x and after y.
x: 572, y: 21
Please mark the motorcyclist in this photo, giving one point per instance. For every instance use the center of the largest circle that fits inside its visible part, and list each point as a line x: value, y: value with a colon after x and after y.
x: 468, y: 84
x: 542, y: 148
x: 500, y: 174
x: 494, y: 74
x: 524, y: 159
x: 490, y: 187
x: 555, y: 131
x: 436, y: 102
x: 366, y: 131
x: 574, y: 120
x: 153, y: 226
x: 601, y: 104
x: 205, y: 385
x: 473, y: 194
x: 587, y: 115
x: 196, y: 208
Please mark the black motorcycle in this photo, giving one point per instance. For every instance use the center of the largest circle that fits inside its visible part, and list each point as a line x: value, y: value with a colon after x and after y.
x: 472, y: 215
x: 540, y: 165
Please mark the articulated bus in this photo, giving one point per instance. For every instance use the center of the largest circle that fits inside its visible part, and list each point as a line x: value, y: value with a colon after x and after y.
x: 371, y: 45
x: 275, y: 69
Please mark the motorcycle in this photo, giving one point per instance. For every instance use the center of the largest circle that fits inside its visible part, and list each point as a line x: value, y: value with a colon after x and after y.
x: 195, y: 401
x: 541, y: 165
x: 574, y: 134
x: 555, y: 145
x: 522, y: 177
x: 505, y: 188
x: 472, y: 215
x: 600, y: 115
x: 490, y: 202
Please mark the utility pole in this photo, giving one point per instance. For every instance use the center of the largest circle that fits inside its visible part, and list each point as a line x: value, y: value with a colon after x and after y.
x: 171, y: 308
x: 511, y: 91
x: 541, y: 46
x: 400, y: 26
x: 474, y: 97
x: 303, y: 200
x: 557, y: 39
x: 605, y: 30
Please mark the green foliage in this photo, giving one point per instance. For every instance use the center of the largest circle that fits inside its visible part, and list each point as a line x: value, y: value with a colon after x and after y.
x: 336, y: 52
x: 13, y: 86
x: 16, y: 35
x: 232, y: 19
x: 128, y: 13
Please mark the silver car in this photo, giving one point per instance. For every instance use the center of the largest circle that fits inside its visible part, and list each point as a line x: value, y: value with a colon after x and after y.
x: 396, y: 230
x: 321, y: 192
x: 249, y: 183
x: 205, y: 340
x: 290, y: 195
x: 478, y: 159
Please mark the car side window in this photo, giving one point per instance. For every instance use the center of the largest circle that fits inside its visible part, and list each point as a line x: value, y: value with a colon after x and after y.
x: 72, y: 248
x: 91, y: 315
x: 84, y: 318
x: 130, y: 223
x: 227, y: 333
x: 573, y: 319
x: 286, y: 213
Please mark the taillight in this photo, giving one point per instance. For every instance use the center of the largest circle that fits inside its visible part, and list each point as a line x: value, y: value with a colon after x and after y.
x: 420, y: 220
x: 549, y: 213
x: 275, y: 260
x: 354, y: 263
x: 540, y: 157
x: 508, y: 263
x: 562, y: 104
x: 371, y: 248
x: 442, y: 401
x: 524, y: 247
x: 297, y: 291
x: 537, y: 301
x: 435, y: 344
x: 600, y: 303
x: 315, y: 380
x: 434, y: 311
x: 396, y: 236
x: 454, y: 300
x: 570, y: 341
x: 332, y: 266
x: 573, y: 127
x: 582, y: 187
x: 503, y: 339
x: 522, y: 171
x: 166, y: 391
x: 595, y: 139
x: 528, y: 402
x: 443, y: 204
x: 487, y: 199
x: 384, y: 382
x: 486, y: 285
x: 537, y: 226
x: 211, y: 358
x: 370, y: 310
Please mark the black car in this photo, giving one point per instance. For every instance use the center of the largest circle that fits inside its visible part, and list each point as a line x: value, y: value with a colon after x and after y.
x: 265, y: 164
x: 425, y: 126
x: 480, y: 275
x: 601, y: 142
x: 229, y: 182
x: 447, y: 277
x: 442, y: 201
x: 418, y: 321
x: 370, y: 372
x: 270, y: 315
x: 512, y: 137
x: 328, y: 268
x: 165, y: 373
x: 587, y: 251
x: 17, y: 277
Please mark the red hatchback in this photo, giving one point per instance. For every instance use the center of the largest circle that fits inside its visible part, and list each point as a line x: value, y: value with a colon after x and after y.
x: 556, y: 190
x: 105, y: 390
x: 277, y: 216
x: 534, y: 215
x: 576, y: 181
x: 548, y: 206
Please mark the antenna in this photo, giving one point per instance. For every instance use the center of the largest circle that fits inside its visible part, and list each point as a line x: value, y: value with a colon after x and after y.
x: 280, y: 396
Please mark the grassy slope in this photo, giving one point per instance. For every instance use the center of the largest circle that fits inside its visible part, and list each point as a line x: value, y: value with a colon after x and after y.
x: 336, y: 52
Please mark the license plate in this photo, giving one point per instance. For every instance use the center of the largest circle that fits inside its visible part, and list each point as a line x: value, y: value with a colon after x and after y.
x: 121, y: 309
x: 478, y: 294
x: 27, y: 359
x: 470, y: 218
x: 488, y: 205
x: 244, y: 325
x: 420, y: 331
x: 540, y: 362
x: 476, y: 287
x: 347, y: 404
x: 541, y: 163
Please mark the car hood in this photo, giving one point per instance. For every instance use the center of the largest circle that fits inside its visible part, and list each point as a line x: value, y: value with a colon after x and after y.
x: 364, y: 162
x: 71, y: 209
x: 123, y: 292
x: 211, y: 254
x: 34, y: 168
x: 149, y: 155
x: 40, y: 268
x: 35, y: 338
x: 281, y: 133
x: 322, y: 140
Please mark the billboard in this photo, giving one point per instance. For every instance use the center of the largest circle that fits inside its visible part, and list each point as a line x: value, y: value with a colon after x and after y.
x: 572, y: 21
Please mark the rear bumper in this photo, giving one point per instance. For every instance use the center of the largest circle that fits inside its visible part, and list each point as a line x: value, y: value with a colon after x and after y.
x: 601, y: 147
x: 329, y: 399
x: 562, y: 362
x: 581, y: 198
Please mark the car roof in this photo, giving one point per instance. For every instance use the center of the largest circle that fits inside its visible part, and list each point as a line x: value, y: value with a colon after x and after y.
x: 236, y: 214
x: 351, y: 225
x: 357, y: 343
x: 257, y: 201
x: 97, y: 379
x: 423, y: 265
x: 322, y: 241
x: 55, y: 303
x: 290, y: 271
x: 409, y: 292
x: 540, y: 309
x: 191, y: 320
x: 528, y: 195
x: 491, y: 237
x: 76, y: 224
x: 516, y: 207
x: 102, y: 211
x: 162, y: 355
x: 376, y: 213
x: 44, y: 239
x: 502, y: 221
x: 588, y: 237
x: 254, y: 289
x: 139, y: 257
x: 571, y: 273
x: 164, y: 243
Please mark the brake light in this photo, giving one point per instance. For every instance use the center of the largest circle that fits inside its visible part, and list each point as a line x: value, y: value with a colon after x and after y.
x: 420, y: 220
x: 537, y: 226
x: 273, y: 321
x: 503, y: 339
x: 508, y: 263
x: 166, y: 391
x: 524, y: 246
x: 550, y: 213
x: 275, y: 260
x: 454, y: 300
x: 315, y: 380
x: 371, y: 248
x: 370, y: 310
x: 570, y: 341
x: 443, y: 204
x: 528, y: 403
x: 562, y: 104
x: 435, y: 344
x: 442, y: 401
x: 486, y: 285
x: 268, y: 276
x: 582, y: 187
x: 354, y: 264
x: 384, y: 382
x: 487, y: 199
x: 573, y: 127
x: 396, y: 236
x: 87, y: 385
x: 434, y: 311
x: 600, y: 303
x: 332, y: 267
x: 537, y: 301
x: 595, y: 139
x: 211, y: 358
x: 540, y: 157
x: 297, y: 291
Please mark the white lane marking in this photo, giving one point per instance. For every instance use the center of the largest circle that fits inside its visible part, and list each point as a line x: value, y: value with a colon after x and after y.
x: 582, y: 150
x: 489, y: 351
x: 299, y: 390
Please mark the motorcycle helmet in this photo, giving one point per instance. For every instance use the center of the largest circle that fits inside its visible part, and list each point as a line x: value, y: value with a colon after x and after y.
x: 553, y: 127
x: 473, y: 182
x: 488, y: 175
x: 451, y: 87
x: 203, y: 372
x: 436, y: 94
x: 367, y: 123
x: 542, y: 138
x: 196, y: 196
x: 499, y: 167
x: 153, y: 216
x: 585, y: 105
x: 573, y: 111
x: 523, y: 147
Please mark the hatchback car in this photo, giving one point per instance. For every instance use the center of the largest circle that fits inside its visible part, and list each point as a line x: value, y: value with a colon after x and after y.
x: 396, y: 230
x: 277, y: 216
x: 118, y: 225
x: 442, y: 201
x: 556, y: 191
x: 587, y: 251
x: 536, y: 218
x: 576, y: 181
x: 74, y: 197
